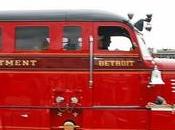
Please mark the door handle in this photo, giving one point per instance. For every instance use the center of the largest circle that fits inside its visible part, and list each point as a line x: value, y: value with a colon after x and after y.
x: 97, y: 58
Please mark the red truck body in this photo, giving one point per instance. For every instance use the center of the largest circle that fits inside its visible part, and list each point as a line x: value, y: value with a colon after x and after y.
x: 92, y: 88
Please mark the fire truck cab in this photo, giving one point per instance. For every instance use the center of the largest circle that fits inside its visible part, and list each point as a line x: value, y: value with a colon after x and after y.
x: 81, y: 70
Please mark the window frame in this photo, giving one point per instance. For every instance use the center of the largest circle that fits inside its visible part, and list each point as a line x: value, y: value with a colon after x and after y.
x: 86, y: 30
x: 55, y: 33
x: 9, y: 36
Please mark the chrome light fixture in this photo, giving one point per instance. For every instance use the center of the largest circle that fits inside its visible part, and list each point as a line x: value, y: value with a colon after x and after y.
x: 130, y: 16
x: 68, y: 125
x: 148, y: 27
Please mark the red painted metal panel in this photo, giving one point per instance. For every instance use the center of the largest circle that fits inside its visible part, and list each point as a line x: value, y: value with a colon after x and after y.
x: 116, y: 100
x: 162, y: 120
x: 116, y: 119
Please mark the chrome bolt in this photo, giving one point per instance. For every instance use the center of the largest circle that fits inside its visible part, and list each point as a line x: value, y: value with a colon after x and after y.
x: 59, y: 99
x: 74, y: 100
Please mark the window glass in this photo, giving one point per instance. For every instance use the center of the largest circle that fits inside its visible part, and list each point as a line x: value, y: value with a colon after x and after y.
x: 0, y: 38
x: 143, y: 46
x: 72, y: 38
x: 32, y: 38
x: 114, y: 38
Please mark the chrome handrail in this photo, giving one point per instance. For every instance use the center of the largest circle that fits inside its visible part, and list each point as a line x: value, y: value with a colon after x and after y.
x: 91, y: 64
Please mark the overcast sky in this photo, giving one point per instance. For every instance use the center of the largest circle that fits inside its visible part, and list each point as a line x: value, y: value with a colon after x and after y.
x: 161, y: 36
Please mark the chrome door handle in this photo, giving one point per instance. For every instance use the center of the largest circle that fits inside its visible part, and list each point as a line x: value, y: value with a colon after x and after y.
x: 96, y: 58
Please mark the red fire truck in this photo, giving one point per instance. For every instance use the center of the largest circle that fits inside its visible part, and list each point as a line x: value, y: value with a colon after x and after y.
x: 87, y: 70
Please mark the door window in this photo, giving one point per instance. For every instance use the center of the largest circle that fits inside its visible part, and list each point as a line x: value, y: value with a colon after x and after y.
x: 113, y: 38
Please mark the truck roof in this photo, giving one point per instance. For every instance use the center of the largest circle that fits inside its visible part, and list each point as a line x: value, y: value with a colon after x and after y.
x: 60, y: 15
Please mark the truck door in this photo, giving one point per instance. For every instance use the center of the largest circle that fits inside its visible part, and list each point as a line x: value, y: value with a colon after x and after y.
x: 116, y: 88
x: 76, y: 80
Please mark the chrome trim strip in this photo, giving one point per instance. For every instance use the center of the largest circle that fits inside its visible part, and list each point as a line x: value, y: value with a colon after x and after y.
x: 162, y: 109
x: 115, y: 107
x: 173, y: 80
x: 23, y: 127
x: 165, y: 107
x: 89, y: 107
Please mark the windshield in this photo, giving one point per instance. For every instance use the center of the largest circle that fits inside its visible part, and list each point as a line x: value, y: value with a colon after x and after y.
x: 144, y: 49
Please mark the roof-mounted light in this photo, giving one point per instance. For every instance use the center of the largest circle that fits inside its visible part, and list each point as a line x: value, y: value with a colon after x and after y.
x: 130, y: 16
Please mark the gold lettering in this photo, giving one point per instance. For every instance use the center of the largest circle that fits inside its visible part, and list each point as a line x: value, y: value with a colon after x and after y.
x: 100, y: 63
x: 127, y: 63
x: 1, y: 62
x: 25, y: 62
x: 132, y: 63
x: 112, y: 63
x: 118, y: 63
x: 9, y: 62
x: 107, y: 63
x: 124, y: 63
x: 33, y: 62
x: 17, y: 62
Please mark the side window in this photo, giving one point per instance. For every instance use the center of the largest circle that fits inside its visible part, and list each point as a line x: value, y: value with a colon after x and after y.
x: 32, y: 38
x: 113, y: 38
x: 72, y: 39
x: 0, y: 38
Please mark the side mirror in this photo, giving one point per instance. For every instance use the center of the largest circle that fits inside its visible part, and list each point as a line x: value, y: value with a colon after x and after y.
x: 139, y: 24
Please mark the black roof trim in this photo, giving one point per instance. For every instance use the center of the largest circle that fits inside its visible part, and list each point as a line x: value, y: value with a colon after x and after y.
x: 60, y: 15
